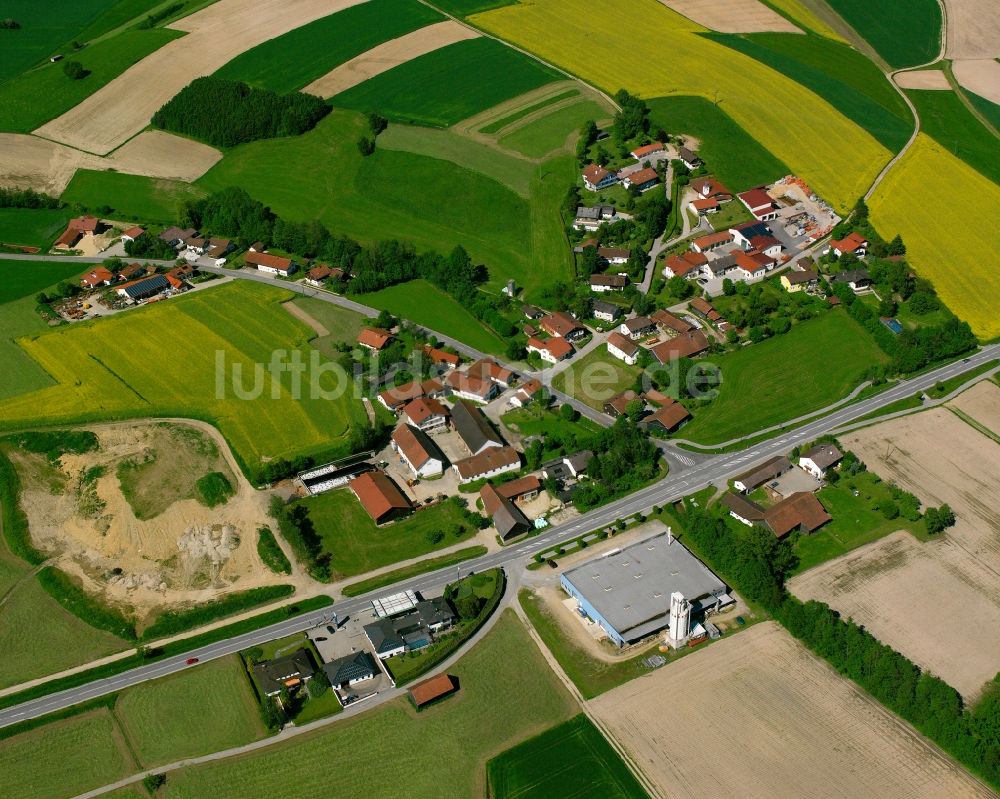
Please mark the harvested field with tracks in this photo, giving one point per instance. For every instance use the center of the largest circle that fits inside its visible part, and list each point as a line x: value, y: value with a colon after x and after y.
x: 759, y: 716
x: 388, y: 55
x: 937, y: 602
x: 735, y: 16
x: 217, y: 34
x: 922, y: 79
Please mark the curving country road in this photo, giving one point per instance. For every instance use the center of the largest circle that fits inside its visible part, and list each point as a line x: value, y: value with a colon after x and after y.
x: 710, y: 470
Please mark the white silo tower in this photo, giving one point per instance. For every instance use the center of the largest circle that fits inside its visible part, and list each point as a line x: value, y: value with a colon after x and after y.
x: 680, y: 619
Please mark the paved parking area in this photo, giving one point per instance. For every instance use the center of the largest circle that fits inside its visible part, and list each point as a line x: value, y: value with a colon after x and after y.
x: 794, y: 480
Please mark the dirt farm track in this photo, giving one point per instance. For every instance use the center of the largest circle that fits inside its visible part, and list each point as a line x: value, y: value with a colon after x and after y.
x: 759, y: 717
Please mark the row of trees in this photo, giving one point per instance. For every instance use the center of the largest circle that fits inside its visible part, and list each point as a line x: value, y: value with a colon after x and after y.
x: 26, y: 198
x: 149, y: 246
x: 227, y: 112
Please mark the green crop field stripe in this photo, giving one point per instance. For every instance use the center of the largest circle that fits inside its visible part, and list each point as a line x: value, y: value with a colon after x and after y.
x: 450, y: 84
x: 904, y: 34
x: 36, y: 227
x: 135, y: 197
x: 550, y: 132
x: 836, y: 72
x: 944, y: 117
x: 297, y: 58
x: 498, y: 124
x: 24, y: 279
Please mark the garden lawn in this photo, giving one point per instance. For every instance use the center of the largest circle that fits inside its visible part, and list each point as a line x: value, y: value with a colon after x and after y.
x: 20, y: 373
x: 730, y: 214
x: 945, y: 118
x: 666, y: 55
x: 194, y: 712
x: 44, y: 29
x: 447, y: 85
x: 552, y: 132
x: 904, y: 34
x: 64, y: 758
x: 596, y: 378
x: 856, y: 520
x: 302, y: 55
x: 425, y: 304
x: 965, y: 279
x: 20, y: 279
x: 839, y: 74
x: 570, y: 761
x: 62, y: 641
x: 30, y: 100
x: 813, y: 365
x: 133, y: 197
x: 36, y: 227
x: 356, y: 545
x: 536, y: 421
x: 504, y: 670
x: 390, y: 194
x: 729, y: 152
x: 240, y: 322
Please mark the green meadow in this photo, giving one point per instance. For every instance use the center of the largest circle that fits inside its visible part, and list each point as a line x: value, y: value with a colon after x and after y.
x: 447, y: 85
x: 33, y: 98
x: 903, y: 34
x: 554, y: 130
x: 134, y: 197
x: 297, y: 58
x: 35, y: 227
x: 500, y: 123
x: 730, y: 153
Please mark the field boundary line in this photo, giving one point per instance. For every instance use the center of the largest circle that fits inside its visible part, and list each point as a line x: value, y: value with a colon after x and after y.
x: 975, y: 425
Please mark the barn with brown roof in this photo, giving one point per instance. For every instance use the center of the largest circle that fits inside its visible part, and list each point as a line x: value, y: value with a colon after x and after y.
x: 433, y: 689
x: 379, y: 496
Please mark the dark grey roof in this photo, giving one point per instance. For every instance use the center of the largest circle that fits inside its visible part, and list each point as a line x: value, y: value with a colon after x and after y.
x: 579, y: 461
x: 435, y: 611
x: 147, y: 288
x: 852, y: 276
x: 606, y: 307
x: 272, y: 674
x: 750, y: 229
x: 356, y: 666
x: 721, y: 265
x: 763, y: 472
x: 390, y: 633
x: 508, y: 518
x: 823, y: 455
x: 688, y: 155
x: 473, y: 427
x: 383, y: 635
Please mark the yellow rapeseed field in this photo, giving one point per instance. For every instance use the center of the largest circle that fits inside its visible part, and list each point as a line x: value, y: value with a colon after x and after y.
x: 806, y: 18
x: 943, y: 207
x: 162, y: 361
x: 644, y: 47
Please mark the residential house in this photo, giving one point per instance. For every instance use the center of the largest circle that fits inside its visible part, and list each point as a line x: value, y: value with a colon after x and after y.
x: 474, y: 428
x: 175, y: 236
x: 766, y: 245
x: 704, y: 206
x: 76, y: 229
x: 425, y: 413
x: 374, y: 339
x: 799, y: 511
x: 418, y: 451
x: 710, y: 188
x: 133, y: 271
x: 745, y: 231
x: 552, y: 349
x: 642, y: 179
x: 592, y: 218
x: 532, y: 311
x: 603, y: 283
x: 618, y: 404
x: 712, y: 241
x: 794, y: 281
x: 721, y: 266
x: 526, y: 393
x: 683, y: 345
x: 820, y: 458
x: 508, y: 519
x: 144, y: 289
x: 271, y: 264
x: 379, y: 496
x: 689, y: 158
x: 523, y: 489
x: 351, y: 669
x: 853, y: 243
x: 132, y: 233
x: 750, y: 268
x: 686, y: 265
x: 396, y: 397
x: 441, y: 357
x: 596, y: 177
x: 488, y: 463
x: 623, y: 348
x: 762, y: 473
x: 563, y: 325
x: 217, y: 249
x: 318, y: 275
x: 666, y: 418
x: 98, y: 277
x: 648, y: 151
x: 196, y: 244
x: 759, y: 203
x: 578, y: 463
x: 489, y: 369
x: 411, y: 630
x: 669, y: 323
x: 288, y: 672
x: 470, y: 387
x: 704, y: 308
x: 614, y: 255
x: 606, y: 311
x: 637, y: 327
x: 857, y: 279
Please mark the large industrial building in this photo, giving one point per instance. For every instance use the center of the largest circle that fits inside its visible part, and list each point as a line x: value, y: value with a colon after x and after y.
x: 627, y: 592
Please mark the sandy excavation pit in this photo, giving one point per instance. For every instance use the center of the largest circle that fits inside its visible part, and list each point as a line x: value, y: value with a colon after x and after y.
x: 126, y: 517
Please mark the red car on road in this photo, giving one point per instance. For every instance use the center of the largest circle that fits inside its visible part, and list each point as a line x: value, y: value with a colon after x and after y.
x: 191, y: 661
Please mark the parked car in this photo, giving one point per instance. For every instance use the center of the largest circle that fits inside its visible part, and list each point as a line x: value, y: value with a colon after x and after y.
x: 331, y: 629
x: 320, y: 638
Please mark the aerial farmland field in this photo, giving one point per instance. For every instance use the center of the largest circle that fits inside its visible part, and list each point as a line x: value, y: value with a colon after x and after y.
x: 667, y: 56
x: 481, y: 73
x: 571, y: 760
x: 904, y: 34
x: 944, y: 117
x: 967, y: 282
x: 133, y: 197
x: 777, y: 722
x: 99, y: 380
x: 549, y: 132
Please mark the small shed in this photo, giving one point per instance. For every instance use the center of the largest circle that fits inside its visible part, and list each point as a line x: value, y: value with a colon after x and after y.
x: 433, y: 689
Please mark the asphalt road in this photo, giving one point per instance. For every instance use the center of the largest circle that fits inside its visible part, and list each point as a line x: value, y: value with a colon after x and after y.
x: 695, y: 476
